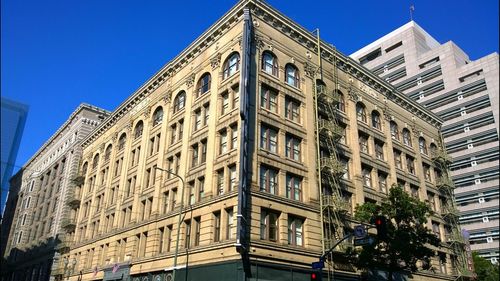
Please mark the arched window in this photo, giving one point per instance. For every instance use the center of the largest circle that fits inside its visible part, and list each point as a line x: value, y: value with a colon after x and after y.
x: 96, y: 161
x: 121, y: 141
x: 433, y: 148
x: 84, y: 168
x: 341, y: 99
x: 394, y: 130
x: 422, y: 145
x: 158, y: 116
x: 376, y: 122
x: 231, y: 65
x: 406, y: 137
x: 270, y: 63
x: 203, y: 85
x: 292, y: 75
x: 361, y: 112
x: 179, y: 101
x: 138, y: 129
x: 107, y: 154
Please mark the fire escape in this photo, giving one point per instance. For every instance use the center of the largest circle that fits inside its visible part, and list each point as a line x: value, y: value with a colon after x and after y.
x: 462, y: 263
x: 330, y: 170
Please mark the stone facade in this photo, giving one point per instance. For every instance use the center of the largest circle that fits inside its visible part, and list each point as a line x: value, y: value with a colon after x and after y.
x: 210, y: 170
x: 39, y: 208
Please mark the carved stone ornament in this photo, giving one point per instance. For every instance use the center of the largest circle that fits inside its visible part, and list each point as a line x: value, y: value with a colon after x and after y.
x: 215, y: 61
x: 387, y: 113
x: 146, y: 112
x: 101, y: 148
x: 259, y: 43
x: 167, y: 97
x: 115, y: 136
x: 310, y: 70
x: 354, y: 95
x: 190, y: 80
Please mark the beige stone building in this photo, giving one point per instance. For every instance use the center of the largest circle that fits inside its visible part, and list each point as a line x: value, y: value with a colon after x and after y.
x: 241, y: 159
x: 38, y: 200
x: 464, y: 93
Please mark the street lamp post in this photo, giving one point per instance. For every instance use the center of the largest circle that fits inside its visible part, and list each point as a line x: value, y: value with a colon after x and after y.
x: 176, y: 253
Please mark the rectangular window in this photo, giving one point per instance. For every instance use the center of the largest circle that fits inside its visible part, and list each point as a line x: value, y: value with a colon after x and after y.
x: 292, y: 109
x: 220, y: 182
x: 197, y: 227
x: 382, y: 182
x: 232, y: 178
x: 223, y: 141
x: 427, y: 172
x: 234, y: 136
x: 269, y: 99
x: 295, y: 231
x: 203, y: 144
x: 187, y: 239
x: 216, y: 226
x: 410, y: 165
x: 206, y: 108
x: 195, y: 155
x: 293, y: 187
x: 292, y: 149
x: 166, y: 202
x: 397, y: 159
x: 225, y: 103
x: 173, y: 133
x: 367, y: 179
x: 363, y: 143
x: 379, y: 150
x: 269, y: 138
x: 268, y: 179
x: 269, y: 225
x: 230, y: 223
x: 414, y: 191
x: 201, y: 188
x: 197, y: 119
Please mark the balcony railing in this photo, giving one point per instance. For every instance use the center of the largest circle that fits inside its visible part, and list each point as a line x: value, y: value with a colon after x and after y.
x: 450, y: 212
x: 441, y: 157
x: 444, y: 183
x: 330, y: 129
x: 332, y: 166
x: 336, y: 203
x: 68, y: 224
x: 455, y: 237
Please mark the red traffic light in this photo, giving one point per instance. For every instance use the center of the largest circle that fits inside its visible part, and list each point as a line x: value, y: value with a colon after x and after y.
x: 316, y: 276
x: 313, y: 276
x: 378, y: 221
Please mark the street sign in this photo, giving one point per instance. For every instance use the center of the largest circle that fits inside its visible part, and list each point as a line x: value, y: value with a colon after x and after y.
x: 364, y: 241
x: 359, y: 231
x: 318, y: 265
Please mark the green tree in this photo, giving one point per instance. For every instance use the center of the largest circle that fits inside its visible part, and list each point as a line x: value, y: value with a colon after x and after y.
x: 407, y: 238
x: 485, y: 270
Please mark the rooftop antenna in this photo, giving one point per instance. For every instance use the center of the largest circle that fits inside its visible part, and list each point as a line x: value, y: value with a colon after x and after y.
x: 412, y: 9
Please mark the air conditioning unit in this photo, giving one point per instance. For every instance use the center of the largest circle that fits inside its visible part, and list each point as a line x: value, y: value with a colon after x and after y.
x: 481, y: 200
x: 477, y: 181
x: 473, y: 163
x: 466, y: 129
x: 386, y: 69
x: 421, y: 96
x: 460, y: 97
x: 486, y: 219
x: 489, y: 239
x: 419, y: 82
x: 463, y: 113
x: 470, y: 146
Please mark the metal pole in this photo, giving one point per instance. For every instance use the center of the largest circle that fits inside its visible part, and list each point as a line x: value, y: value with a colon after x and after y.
x: 176, y: 253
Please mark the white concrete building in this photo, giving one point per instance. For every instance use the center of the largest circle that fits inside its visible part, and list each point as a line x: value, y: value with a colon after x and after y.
x: 464, y: 93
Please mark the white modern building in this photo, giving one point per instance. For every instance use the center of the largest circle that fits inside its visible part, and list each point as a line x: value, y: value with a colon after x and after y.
x: 464, y: 93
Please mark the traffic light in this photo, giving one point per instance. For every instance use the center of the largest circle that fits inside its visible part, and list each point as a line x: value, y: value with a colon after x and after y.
x: 316, y: 276
x: 381, y: 225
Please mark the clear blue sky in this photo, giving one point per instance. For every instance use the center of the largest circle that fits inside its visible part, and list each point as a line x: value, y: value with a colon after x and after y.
x: 57, y: 54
